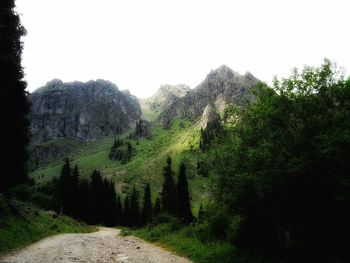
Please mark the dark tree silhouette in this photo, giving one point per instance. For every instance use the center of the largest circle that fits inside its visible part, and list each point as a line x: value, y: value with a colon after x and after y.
x: 14, y: 106
x: 146, y: 214
x: 134, y: 212
x: 126, y: 212
x: 119, y: 211
x: 183, y: 197
x: 64, y: 190
x: 168, y: 194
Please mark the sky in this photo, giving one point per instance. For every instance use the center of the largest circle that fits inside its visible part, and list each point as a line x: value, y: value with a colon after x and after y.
x: 140, y: 45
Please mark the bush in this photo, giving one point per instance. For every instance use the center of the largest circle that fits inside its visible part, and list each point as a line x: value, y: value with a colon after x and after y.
x: 218, y: 225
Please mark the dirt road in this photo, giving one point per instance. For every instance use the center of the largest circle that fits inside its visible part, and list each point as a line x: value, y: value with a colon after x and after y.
x: 105, y: 245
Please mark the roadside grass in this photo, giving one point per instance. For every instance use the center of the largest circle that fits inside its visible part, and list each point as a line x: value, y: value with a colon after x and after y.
x: 24, y: 224
x: 185, y: 242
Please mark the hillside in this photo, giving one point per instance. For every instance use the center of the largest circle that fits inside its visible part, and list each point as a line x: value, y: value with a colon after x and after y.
x: 175, y: 111
x: 220, y: 88
x: 180, y: 141
x: 22, y: 223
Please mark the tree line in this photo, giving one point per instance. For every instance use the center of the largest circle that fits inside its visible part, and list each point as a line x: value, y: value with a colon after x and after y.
x: 95, y: 200
x: 284, y: 186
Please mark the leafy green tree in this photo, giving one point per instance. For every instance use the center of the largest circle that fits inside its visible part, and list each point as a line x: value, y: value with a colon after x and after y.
x: 168, y: 194
x: 285, y: 171
x: 183, y: 197
x: 14, y: 106
x: 147, y: 209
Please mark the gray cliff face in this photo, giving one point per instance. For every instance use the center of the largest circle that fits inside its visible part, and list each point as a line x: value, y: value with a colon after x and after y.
x: 221, y: 87
x: 81, y: 111
x: 165, y: 96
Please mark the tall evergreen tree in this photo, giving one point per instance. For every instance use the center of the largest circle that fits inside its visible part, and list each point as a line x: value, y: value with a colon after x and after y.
x: 96, y: 192
x: 14, y: 106
x: 119, y: 211
x: 76, y: 200
x: 168, y: 194
x: 146, y: 214
x: 126, y: 212
x: 183, y: 197
x: 64, y: 188
x: 134, y: 208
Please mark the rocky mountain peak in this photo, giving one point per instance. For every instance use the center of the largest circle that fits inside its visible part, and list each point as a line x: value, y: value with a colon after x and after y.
x: 81, y: 111
x: 221, y: 87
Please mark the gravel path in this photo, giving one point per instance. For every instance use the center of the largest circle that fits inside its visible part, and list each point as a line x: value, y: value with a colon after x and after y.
x: 105, y: 245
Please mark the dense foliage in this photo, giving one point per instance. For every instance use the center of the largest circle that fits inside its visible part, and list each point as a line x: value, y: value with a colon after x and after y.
x: 96, y: 202
x: 285, y: 184
x: 14, y: 106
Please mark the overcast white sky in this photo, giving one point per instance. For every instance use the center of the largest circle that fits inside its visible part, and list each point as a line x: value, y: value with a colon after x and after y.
x: 141, y: 44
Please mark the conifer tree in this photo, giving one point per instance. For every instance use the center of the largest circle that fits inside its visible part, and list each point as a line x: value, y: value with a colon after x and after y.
x: 119, y: 211
x: 96, y: 192
x: 146, y: 214
x: 134, y: 208
x: 14, y: 106
x: 85, y: 201
x: 183, y: 197
x: 168, y: 194
x: 64, y: 188
x: 76, y: 200
x: 126, y: 212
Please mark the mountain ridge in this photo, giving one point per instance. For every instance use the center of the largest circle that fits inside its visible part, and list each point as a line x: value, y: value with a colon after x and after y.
x: 221, y: 87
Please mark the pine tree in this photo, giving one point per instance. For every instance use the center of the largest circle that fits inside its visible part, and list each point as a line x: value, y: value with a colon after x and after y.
x: 119, y: 211
x: 96, y: 193
x: 157, y: 207
x: 14, y: 106
x: 76, y: 199
x: 146, y: 214
x: 134, y: 208
x: 168, y: 194
x: 183, y: 197
x: 126, y: 212
x: 64, y: 188
x: 85, y: 202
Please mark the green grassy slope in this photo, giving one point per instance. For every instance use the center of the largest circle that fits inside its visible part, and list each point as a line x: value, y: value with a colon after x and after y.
x: 24, y: 223
x: 180, y: 142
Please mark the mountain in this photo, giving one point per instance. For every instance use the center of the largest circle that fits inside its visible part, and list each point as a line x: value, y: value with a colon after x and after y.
x: 221, y: 87
x: 81, y: 111
x: 164, y: 97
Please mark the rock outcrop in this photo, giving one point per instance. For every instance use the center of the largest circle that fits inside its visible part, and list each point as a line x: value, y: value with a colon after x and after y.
x: 81, y: 111
x: 163, y: 98
x: 221, y: 87
x: 209, y: 116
